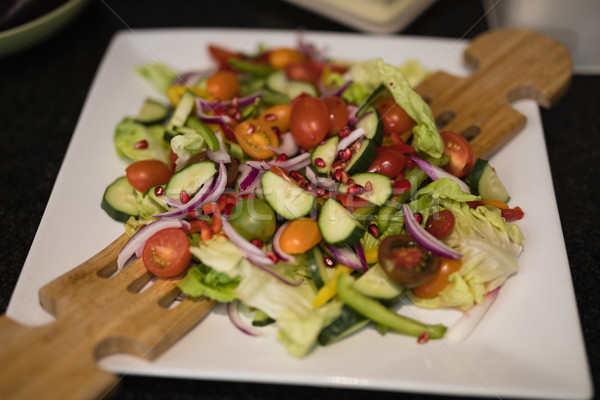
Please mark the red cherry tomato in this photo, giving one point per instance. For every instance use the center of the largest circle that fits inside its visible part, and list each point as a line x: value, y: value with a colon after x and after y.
x: 406, y: 262
x: 338, y: 114
x: 223, y: 85
x: 309, y: 121
x: 389, y: 163
x: 440, y: 280
x: 460, y: 153
x: 167, y: 253
x: 440, y: 224
x: 222, y: 55
x: 395, y: 119
x: 144, y: 174
x: 302, y: 71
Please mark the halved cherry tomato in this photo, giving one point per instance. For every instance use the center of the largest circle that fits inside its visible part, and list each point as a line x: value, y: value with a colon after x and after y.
x: 440, y: 280
x: 389, y: 163
x: 309, y: 121
x: 406, y: 262
x: 338, y: 114
x: 300, y: 235
x: 222, y: 55
x: 277, y: 116
x: 460, y: 153
x: 284, y: 56
x: 512, y: 214
x: 302, y: 71
x: 167, y: 253
x: 144, y: 174
x: 254, y: 136
x: 440, y: 224
x: 395, y: 119
x: 400, y: 186
x: 223, y: 85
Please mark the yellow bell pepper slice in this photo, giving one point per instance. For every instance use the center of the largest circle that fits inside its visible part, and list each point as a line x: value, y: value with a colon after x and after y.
x: 329, y: 290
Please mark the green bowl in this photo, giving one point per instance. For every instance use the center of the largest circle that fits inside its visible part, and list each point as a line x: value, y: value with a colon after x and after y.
x: 26, y: 35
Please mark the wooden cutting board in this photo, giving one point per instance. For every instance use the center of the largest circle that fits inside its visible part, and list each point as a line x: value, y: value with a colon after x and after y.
x: 99, y: 312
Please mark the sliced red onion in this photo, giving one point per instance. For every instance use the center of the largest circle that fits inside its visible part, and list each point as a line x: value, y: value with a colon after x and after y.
x: 325, y: 183
x: 171, y: 202
x: 466, y: 324
x: 248, y: 176
x: 345, y: 255
x: 336, y: 92
x: 288, y: 145
x: 277, y: 246
x: 139, y: 238
x: 360, y: 252
x: 435, y: 173
x: 294, y: 163
x: 218, y: 188
x: 233, y: 312
x: 351, y: 138
x: 190, y: 78
x: 260, y: 165
x: 352, y: 119
x: 217, y: 105
x: 425, y: 238
x: 193, y: 203
x: 220, y: 156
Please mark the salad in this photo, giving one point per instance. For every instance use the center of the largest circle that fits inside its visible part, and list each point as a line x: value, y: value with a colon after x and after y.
x: 319, y: 195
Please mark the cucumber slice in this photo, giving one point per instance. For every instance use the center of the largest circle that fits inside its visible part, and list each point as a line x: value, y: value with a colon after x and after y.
x: 279, y: 82
x: 190, y: 179
x: 363, y: 158
x: 152, y: 112
x: 382, y: 187
x: 337, y: 225
x: 372, y: 124
x: 286, y: 198
x: 375, y: 283
x: 347, y: 323
x: 484, y: 182
x: 181, y: 113
x: 317, y: 268
x: 261, y: 319
x: 160, y: 200
x: 362, y: 108
x: 119, y: 200
x: 326, y: 152
x: 129, y: 133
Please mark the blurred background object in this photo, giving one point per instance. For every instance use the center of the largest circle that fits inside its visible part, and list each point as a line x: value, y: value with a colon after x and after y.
x: 574, y: 23
x: 373, y: 16
x: 24, y: 23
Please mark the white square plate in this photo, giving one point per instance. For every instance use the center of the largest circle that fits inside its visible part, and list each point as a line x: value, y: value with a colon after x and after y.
x: 529, y: 345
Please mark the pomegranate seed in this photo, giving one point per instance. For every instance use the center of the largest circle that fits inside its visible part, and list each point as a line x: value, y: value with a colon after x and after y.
x: 344, y: 176
x: 319, y: 162
x: 142, y: 144
x: 418, y: 217
x: 320, y: 192
x: 373, y: 230
x: 345, y: 131
x: 235, y: 101
x: 337, y: 166
x: 237, y: 116
x: 310, y: 187
x: 338, y: 175
x: 349, y: 182
x: 424, y: 338
x: 296, y: 175
x: 270, y: 117
x: 340, y: 154
x: 302, y: 182
x: 276, y: 130
x: 328, y: 260
x: 184, y: 196
x: 272, y: 256
x: 356, y: 146
x: 356, y: 189
x: 410, y: 164
x: 257, y: 242
x: 251, y: 129
x: 368, y: 186
x: 159, y: 191
x: 347, y: 154
x: 281, y: 157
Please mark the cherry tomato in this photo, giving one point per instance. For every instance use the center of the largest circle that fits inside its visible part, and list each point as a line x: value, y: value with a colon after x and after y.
x: 222, y: 55
x: 284, y: 56
x: 253, y: 219
x: 144, y: 174
x: 440, y: 280
x: 309, y: 121
x: 352, y: 202
x: 389, y: 163
x: 302, y: 71
x: 400, y: 186
x: 277, y: 116
x: 395, y: 119
x: 460, y: 153
x: 167, y: 253
x: 300, y: 235
x: 338, y: 114
x: 223, y: 85
x: 254, y: 136
x: 406, y: 262
x: 512, y: 214
x: 440, y: 224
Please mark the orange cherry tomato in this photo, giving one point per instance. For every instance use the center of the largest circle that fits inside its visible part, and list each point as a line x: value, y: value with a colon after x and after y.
x: 460, y: 153
x: 300, y: 235
x: 144, y: 174
x: 395, y: 119
x: 282, y: 57
x: 440, y: 280
x: 254, y: 136
x: 167, y: 253
x: 277, y: 116
x: 338, y: 114
x: 309, y: 121
x: 223, y: 85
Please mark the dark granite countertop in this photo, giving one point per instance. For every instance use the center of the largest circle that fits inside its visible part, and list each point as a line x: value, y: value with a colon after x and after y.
x: 42, y: 91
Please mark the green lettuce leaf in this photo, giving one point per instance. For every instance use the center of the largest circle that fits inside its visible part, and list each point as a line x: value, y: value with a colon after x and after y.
x: 372, y: 73
x: 186, y: 146
x: 204, y: 281
x: 159, y: 75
